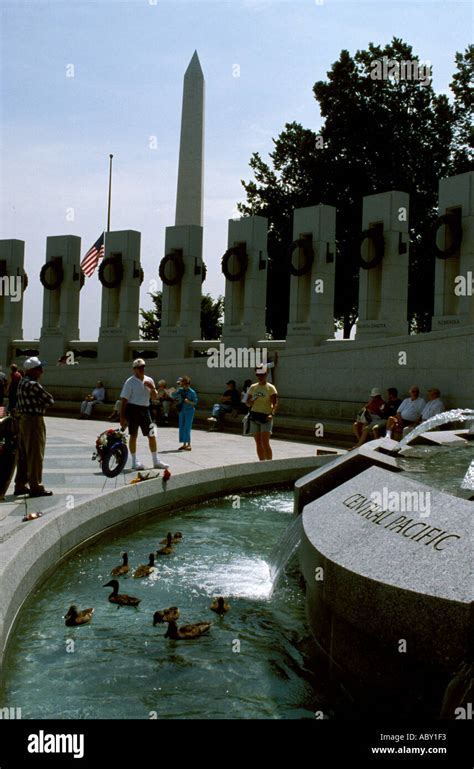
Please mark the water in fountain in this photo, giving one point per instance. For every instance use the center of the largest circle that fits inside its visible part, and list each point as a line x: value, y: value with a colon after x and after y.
x: 125, y: 667
x: 454, y: 415
x: 284, y: 549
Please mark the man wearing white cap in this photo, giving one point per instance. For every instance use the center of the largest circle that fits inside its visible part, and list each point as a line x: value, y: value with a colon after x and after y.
x: 32, y: 400
x: 135, y: 412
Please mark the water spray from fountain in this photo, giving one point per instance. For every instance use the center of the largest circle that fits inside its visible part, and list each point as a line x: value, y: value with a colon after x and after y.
x: 454, y: 415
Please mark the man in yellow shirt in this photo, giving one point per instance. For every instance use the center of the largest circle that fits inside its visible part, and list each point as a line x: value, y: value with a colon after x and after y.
x: 263, y: 403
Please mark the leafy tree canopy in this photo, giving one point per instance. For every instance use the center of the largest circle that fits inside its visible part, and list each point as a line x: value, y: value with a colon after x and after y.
x: 379, y: 134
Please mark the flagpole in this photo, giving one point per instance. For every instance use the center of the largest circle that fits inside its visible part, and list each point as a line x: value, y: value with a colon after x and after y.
x: 110, y: 193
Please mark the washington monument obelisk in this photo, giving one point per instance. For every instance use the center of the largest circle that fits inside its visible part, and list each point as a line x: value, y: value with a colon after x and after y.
x: 181, y: 303
x: 191, y: 148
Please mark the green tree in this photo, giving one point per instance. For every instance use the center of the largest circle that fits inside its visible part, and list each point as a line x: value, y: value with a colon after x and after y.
x: 212, y: 312
x: 462, y: 86
x: 378, y: 135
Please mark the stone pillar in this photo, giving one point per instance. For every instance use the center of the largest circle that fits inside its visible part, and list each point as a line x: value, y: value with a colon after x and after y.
x: 311, y: 316
x: 245, y: 299
x: 12, y: 284
x: 454, y: 275
x: 61, y: 301
x: 120, y: 302
x: 383, y: 289
x: 181, y: 304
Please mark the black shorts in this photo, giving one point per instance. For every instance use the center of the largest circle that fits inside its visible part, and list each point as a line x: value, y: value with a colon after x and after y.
x: 138, y: 416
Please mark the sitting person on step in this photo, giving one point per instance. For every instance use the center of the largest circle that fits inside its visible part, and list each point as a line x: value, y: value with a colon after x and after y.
x: 409, y: 412
x: 389, y: 410
x: 369, y: 416
x: 164, y: 399
x: 230, y: 400
x: 434, y: 406
x: 97, y: 396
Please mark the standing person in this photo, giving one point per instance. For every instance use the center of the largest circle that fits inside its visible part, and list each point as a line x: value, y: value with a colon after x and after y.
x: 188, y: 399
x: 135, y: 412
x: 31, y: 403
x: 97, y: 396
x: 263, y: 403
x: 14, y: 381
x: 3, y: 387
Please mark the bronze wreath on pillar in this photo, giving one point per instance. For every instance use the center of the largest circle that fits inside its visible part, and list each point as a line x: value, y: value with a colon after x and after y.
x: 177, y: 260
x: 241, y: 255
x: 203, y: 272
x: 453, y: 222
x: 24, y: 281
x: 375, y: 234
x: 58, y: 274
x: 116, y: 263
x: 307, y: 246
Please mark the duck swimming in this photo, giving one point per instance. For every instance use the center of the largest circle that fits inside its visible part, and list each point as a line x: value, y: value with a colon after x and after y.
x: 146, y: 569
x: 219, y: 606
x: 167, y: 549
x: 177, y: 538
x: 74, y: 617
x: 166, y: 615
x: 186, y: 632
x: 121, y: 600
x: 118, y: 571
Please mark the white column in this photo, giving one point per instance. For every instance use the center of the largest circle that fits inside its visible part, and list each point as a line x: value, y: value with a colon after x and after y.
x: 120, y: 303
x: 181, y: 303
x: 383, y: 289
x: 311, y: 316
x: 454, y: 276
x: 245, y: 299
x: 61, y: 304
x: 12, y: 284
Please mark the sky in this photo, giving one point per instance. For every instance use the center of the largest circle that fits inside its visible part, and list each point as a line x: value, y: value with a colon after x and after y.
x: 81, y: 79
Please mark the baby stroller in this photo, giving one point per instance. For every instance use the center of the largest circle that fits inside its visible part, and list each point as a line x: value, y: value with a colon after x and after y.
x: 111, y: 451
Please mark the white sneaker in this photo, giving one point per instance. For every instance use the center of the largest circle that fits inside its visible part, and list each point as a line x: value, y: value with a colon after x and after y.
x: 211, y: 419
x: 160, y: 465
x: 138, y: 466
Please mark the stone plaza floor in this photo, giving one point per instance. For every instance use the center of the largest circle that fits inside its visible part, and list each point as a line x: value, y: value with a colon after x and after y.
x: 69, y: 470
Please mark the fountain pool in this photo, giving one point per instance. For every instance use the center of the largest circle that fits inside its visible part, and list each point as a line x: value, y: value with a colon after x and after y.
x: 443, y: 467
x: 251, y: 665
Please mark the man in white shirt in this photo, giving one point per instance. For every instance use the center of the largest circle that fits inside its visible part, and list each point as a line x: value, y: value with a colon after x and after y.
x: 135, y: 412
x: 409, y: 412
x: 434, y: 406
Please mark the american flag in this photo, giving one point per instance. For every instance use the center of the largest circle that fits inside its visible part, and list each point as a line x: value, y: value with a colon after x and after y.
x: 91, y: 259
